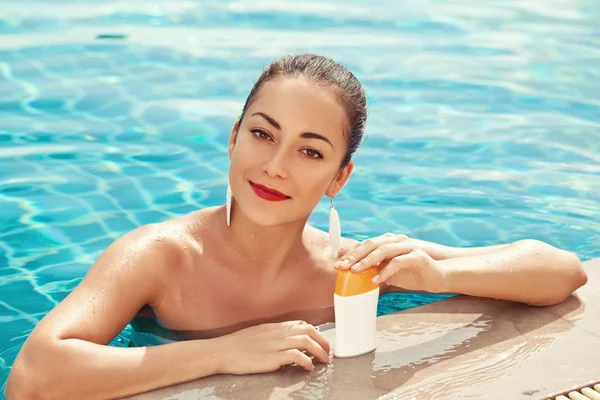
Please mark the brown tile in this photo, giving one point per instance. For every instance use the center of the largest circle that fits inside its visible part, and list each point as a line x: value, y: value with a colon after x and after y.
x: 522, y: 355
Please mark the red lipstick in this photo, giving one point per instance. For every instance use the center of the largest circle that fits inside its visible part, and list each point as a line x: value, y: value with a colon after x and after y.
x: 268, y: 193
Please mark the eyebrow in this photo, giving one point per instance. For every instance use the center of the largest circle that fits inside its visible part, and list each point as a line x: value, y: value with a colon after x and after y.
x: 305, y: 135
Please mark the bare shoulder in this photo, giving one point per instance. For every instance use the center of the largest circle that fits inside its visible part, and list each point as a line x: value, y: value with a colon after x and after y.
x: 162, y: 247
x: 161, y: 240
x: 128, y: 275
x: 146, y: 252
x: 181, y: 239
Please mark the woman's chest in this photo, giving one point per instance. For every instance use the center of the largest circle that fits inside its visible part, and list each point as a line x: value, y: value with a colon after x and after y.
x: 217, y: 300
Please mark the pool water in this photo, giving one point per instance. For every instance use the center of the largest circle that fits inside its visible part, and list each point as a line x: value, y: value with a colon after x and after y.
x: 484, y: 124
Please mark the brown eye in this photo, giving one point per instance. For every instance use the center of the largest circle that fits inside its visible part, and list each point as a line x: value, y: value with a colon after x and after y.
x: 312, y: 153
x: 259, y: 134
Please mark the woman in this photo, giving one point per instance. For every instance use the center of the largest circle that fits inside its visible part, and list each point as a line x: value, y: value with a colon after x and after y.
x: 218, y: 270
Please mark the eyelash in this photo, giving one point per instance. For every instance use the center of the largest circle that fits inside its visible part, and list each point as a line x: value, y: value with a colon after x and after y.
x: 257, y: 133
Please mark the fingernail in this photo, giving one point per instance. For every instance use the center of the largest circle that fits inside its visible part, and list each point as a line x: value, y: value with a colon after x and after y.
x: 356, y: 267
x: 341, y: 264
x: 375, y: 279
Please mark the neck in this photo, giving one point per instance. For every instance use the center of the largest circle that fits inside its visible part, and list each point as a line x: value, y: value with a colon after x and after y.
x: 264, y: 249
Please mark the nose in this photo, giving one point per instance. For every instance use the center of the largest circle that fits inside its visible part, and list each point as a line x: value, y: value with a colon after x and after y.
x: 276, y: 166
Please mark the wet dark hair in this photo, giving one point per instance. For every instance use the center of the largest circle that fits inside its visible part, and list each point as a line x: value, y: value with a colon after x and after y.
x: 323, y: 71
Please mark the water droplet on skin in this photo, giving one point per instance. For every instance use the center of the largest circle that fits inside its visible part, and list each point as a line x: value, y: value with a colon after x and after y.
x: 488, y: 260
x: 185, y: 247
x: 537, y: 252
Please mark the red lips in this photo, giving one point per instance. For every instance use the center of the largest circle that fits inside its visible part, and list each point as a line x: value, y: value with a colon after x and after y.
x: 268, y: 193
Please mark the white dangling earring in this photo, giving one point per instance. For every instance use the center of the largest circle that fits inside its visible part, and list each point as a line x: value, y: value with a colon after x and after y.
x: 229, y: 200
x: 335, y: 231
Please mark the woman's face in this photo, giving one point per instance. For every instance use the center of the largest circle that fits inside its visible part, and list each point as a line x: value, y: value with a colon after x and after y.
x: 287, y: 151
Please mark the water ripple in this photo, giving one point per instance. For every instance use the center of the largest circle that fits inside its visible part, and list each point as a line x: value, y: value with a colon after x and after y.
x: 484, y: 125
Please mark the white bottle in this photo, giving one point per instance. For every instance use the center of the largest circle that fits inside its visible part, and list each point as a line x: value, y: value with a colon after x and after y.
x: 355, y: 305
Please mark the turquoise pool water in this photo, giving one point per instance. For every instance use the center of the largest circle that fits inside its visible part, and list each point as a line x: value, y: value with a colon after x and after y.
x: 484, y: 124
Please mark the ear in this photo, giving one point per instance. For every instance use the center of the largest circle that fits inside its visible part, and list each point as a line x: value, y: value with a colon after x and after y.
x: 340, y: 180
x: 233, y: 137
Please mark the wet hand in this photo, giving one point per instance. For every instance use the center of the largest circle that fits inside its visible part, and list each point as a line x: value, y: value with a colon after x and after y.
x: 402, y: 262
x: 268, y: 347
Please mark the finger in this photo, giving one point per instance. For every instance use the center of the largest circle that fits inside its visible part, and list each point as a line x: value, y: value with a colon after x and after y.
x: 278, y: 329
x: 315, y: 334
x: 286, y: 325
x: 294, y: 323
x: 342, y: 258
x: 387, y: 242
x: 362, y: 249
x: 384, y: 252
x: 395, y: 265
x: 308, y: 344
x: 295, y: 356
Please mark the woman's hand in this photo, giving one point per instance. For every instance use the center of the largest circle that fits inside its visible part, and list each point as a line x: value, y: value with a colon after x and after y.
x: 402, y: 262
x: 267, y: 347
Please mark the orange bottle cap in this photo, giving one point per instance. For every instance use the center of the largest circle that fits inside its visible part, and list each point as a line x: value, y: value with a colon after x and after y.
x: 349, y: 283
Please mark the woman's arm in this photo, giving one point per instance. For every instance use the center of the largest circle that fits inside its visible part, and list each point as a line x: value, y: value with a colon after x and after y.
x: 67, y: 357
x: 457, y: 252
x: 527, y: 271
x: 435, y: 250
x: 78, y: 369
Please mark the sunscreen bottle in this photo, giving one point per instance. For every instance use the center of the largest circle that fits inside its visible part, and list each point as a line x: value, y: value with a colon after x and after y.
x: 355, y: 306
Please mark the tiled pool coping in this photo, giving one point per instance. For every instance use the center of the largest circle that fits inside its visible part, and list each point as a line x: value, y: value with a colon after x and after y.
x: 462, y: 347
